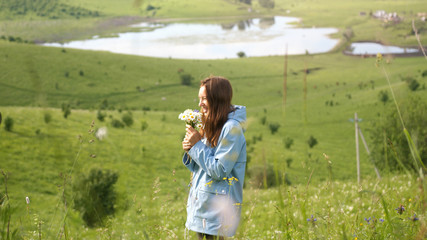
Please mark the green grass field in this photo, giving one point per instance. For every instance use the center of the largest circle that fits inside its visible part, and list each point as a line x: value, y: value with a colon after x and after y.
x: 36, y: 81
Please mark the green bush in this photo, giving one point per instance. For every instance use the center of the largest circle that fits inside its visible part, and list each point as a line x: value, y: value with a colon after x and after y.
x: 8, y: 124
x: 383, y: 96
x: 389, y: 141
x: 413, y: 85
x: 117, y: 123
x: 100, y: 116
x: 289, y: 162
x: 288, y: 142
x: 241, y: 54
x: 150, y: 7
x: 263, y: 120
x: 66, y: 110
x: 144, y: 125
x: 274, y: 127
x: 47, y: 117
x: 127, y: 119
x: 186, y: 79
x: 312, y: 141
x: 95, y: 197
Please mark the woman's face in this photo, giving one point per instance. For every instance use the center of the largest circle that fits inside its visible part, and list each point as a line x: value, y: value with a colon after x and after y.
x: 203, y: 100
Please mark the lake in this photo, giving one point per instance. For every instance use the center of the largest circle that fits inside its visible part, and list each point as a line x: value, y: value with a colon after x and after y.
x: 372, y: 48
x: 254, y: 37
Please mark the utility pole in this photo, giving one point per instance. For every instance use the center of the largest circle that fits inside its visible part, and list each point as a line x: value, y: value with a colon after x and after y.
x: 356, y: 127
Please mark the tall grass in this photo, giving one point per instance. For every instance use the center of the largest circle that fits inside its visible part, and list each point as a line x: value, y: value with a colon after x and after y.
x: 415, y: 155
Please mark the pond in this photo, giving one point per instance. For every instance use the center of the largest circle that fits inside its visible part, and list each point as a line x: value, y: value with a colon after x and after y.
x: 254, y: 37
x: 371, y: 48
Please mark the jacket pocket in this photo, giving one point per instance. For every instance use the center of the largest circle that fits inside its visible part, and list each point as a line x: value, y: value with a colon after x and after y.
x: 207, y: 200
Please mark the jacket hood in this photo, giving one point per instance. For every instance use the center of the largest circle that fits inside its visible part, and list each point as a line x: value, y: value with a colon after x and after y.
x: 239, y: 114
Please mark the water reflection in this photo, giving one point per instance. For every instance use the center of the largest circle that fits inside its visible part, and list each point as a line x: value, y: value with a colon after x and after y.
x: 254, y: 37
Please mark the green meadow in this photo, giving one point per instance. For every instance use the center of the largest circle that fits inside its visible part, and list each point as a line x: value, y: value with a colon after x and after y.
x: 44, y: 154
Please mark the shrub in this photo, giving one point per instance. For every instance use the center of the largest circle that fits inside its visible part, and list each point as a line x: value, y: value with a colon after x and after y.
x: 288, y: 142
x: 144, y: 125
x: 66, y: 110
x: 289, y: 162
x: 264, y: 120
x: 117, y: 123
x: 150, y: 7
x: 186, y: 79
x: 241, y: 54
x: 389, y: 141
x: 274, y: 127
x: 413, y: 85
x: 47, y: 117
x: 127, y: 119
x: 100, y: 116
x: 104, y: 104
x: 311, y: 141
x: 383, y: 96
x: 95, y: 197
x: 8, y: 124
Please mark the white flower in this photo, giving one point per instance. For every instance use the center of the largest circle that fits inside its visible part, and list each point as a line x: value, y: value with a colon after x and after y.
x: 191, y: 117
x: 27, y: 199
x: 101, y: 133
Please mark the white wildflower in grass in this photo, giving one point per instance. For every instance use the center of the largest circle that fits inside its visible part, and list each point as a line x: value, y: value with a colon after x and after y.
x: 192, y: 118
x: 101, y: 133
x: 27, y: 199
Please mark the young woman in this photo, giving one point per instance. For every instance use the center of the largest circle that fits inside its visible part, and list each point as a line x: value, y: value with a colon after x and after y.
x: 216, y: 156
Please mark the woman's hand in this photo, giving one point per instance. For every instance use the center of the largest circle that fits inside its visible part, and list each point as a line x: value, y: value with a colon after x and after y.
x: 191, y: 138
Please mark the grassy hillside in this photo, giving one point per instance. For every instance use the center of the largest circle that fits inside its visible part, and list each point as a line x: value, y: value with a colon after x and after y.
x: 44, y: 157
x: 337, y: 87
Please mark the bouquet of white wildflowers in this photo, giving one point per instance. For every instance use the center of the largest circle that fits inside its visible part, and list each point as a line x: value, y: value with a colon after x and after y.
x: 192, y: 118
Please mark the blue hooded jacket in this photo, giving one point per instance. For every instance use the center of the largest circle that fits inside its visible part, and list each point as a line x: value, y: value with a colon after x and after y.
x: 216, y: 191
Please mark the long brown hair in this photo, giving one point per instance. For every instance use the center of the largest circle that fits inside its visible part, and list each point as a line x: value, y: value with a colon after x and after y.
x: 219, y: 94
